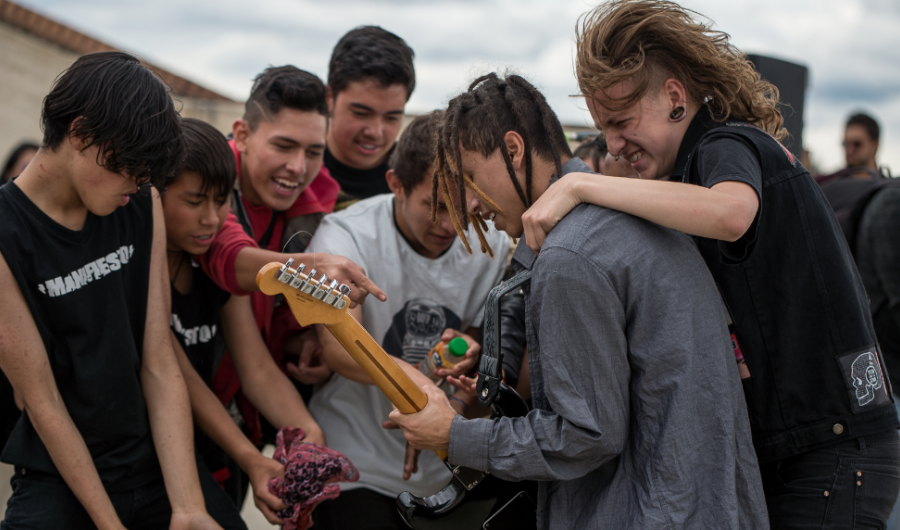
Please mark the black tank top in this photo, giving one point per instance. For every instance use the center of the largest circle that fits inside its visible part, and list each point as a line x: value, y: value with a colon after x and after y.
x: 87, y: 293
x: 195, y: 321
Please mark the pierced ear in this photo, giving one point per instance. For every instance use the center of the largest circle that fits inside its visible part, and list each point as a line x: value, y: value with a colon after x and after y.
x: 675, y: 93
x: 515, y: 146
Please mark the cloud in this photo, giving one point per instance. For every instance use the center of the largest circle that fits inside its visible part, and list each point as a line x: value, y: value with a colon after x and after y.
x: 851, y: 47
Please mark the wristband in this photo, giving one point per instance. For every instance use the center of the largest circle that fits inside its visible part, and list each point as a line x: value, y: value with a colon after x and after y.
x: 461, y: 402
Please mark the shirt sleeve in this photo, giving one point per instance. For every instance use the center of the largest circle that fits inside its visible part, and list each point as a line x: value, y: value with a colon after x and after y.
x: 581, y: 349
x: 727, y: 159
x: 333, y: 238
x: 219, y: 262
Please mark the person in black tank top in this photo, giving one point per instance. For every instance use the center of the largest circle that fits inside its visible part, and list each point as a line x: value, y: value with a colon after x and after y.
x: 701, y: 127
x: 195, y: 208
x: 82, y: 319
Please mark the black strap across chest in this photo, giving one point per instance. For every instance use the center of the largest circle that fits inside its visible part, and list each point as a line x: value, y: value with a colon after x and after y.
x: 489, y: 369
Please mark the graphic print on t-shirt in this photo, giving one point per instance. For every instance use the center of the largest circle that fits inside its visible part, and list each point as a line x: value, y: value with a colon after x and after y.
x: 193, y: 335
x: 91, y: 271
x: 417, y: 327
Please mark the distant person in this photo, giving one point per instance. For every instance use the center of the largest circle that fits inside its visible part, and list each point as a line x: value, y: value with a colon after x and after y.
x: 370, y: 79
x: 861, y: 136
x: 593, y: 152
x: 17, y: 160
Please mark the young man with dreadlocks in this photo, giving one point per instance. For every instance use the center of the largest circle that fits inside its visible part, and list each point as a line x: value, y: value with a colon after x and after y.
x: 701, y: 127
x: 638, y: 419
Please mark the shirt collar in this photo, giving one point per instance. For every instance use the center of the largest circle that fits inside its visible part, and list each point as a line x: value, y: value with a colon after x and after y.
x: 524, y: 257
x: 699, y: 126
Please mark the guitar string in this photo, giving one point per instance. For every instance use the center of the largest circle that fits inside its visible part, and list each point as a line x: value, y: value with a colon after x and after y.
x: 292, y: 237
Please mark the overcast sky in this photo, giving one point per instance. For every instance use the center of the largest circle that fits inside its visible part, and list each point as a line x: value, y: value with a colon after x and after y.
x: 851, y: 47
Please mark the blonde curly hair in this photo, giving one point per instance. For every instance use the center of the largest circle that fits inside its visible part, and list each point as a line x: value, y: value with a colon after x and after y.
x: 649, y: 41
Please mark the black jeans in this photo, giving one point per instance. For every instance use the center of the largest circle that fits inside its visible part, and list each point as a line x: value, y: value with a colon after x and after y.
x: 41, y: 501
x: 359, y: 509
x: 848, y: 485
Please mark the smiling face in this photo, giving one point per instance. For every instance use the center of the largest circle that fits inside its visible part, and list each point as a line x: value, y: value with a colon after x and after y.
x: 413, y: 214
x: 643, y: 134
x: 365, y: 121
x: 281, y: 157
x: 192, y: 216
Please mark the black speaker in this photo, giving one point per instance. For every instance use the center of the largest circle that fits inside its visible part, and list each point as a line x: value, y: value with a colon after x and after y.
x: 791, y: 80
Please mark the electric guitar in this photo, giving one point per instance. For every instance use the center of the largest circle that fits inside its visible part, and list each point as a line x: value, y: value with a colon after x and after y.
x: 496, y: 504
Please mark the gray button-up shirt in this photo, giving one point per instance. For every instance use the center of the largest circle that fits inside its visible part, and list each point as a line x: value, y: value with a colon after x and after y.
x: 639, y: 418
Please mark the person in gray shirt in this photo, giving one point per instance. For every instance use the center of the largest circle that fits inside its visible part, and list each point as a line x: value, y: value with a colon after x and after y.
x: 639, y: 419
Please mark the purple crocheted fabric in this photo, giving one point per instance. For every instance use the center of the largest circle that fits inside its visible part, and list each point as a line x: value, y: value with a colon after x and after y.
x: 311, y: 472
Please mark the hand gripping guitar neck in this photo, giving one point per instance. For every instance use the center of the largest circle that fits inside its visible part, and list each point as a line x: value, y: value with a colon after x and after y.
x: 313, y: 302
x: 495, y: 504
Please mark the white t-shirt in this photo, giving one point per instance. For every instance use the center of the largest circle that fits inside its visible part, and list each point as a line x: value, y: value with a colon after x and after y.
x: 425, y: 296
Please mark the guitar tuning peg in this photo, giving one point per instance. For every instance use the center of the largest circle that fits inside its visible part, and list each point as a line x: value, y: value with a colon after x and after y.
x: 284, y: 269
x: 305, y: 285
x: 332, y: 285
x: 295, y: 278
x: 339, y: 301
x: 320, y: 289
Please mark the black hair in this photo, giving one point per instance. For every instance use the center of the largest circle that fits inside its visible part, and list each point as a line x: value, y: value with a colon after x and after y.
x: 370, y: 52
x: 867, y: 122
x: 14, y: 157
x: 279, y: 87
x: 210, y: 156
x: 477, y: 121
x: 593, y: 150
x: 114, y: 102
x: 414, y: 153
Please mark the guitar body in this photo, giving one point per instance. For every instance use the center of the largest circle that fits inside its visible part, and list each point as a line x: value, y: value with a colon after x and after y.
x: 475, y: 500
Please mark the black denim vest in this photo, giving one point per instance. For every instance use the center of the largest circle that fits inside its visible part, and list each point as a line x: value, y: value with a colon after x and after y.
x: 800, y: 310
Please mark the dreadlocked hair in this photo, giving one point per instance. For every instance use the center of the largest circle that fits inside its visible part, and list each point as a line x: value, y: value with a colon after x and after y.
x: 649, y: 41
x: 477, y: 121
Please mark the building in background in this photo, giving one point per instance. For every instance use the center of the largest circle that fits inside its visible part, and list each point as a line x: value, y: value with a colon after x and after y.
x: 35, y: 49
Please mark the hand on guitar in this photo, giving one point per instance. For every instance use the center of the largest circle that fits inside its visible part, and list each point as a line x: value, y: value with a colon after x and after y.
x: 430, y: 427
x: 470, y: 361
x: 310, y: 369
x: 260, y: 471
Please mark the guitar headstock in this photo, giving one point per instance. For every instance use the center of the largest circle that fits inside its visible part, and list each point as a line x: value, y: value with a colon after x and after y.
x: 313, y: 301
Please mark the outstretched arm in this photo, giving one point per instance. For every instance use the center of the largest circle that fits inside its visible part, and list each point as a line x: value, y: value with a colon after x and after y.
x: 168, y: 403
x: 214, y: 420
x: 24, y: 361
x: 264, y: 384
x: 234, y: 259
x: 725, y: 211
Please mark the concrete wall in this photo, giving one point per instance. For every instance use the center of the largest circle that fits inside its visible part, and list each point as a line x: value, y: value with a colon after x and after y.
x: 28, y: 67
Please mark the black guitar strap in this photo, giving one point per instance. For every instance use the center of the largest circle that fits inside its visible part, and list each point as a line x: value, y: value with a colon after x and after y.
x: 490, y: 368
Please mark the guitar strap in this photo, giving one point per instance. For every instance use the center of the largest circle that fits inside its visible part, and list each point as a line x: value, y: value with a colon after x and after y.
x: 490, y: 368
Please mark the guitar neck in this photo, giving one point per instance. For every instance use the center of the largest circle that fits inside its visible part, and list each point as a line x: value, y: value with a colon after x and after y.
x: 384, y: 371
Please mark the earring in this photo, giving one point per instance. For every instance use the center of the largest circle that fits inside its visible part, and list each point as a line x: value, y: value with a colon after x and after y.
x: 678, y: 114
